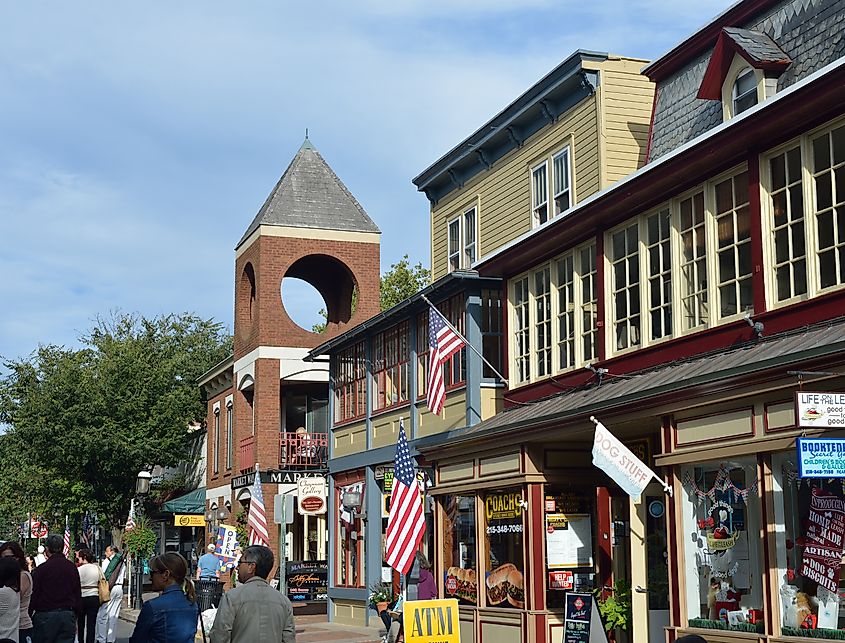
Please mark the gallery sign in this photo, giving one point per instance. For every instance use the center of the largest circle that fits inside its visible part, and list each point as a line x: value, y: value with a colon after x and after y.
x: 274, y: 476
x: 189, y: 520
x: 311, y: 496
x: 821, y: 457
x: 814, y: 409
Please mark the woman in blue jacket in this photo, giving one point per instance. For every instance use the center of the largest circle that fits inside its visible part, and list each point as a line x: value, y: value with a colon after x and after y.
x: 172, y: 617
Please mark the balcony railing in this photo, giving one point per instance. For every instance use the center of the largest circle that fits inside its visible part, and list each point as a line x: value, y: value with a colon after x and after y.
x: 246, y: 459
x: 303, y: 450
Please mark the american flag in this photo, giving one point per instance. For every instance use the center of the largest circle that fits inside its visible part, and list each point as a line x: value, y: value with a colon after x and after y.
x: 256, y: 521
x: 405, y: 523
x: 130, y: 521
x: 86, y: 530
x: 443, y: 342
x: 66, y: 547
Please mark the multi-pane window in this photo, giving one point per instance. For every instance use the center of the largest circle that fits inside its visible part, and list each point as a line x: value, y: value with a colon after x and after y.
x: 828, y: 152
x: 350, y: 382
x: 556, y: 181
x: 695, y: 309
x: 390, y: 357
x: 217, y: 439
x: 463, y: 240
x: 229, y: 435
x: 659, y: 258
x: 625, y: 268
x: 554, y: 316
x: 789, y: 255
x: 491, y: 331
x: 744, y: 93
x: 454, y: 371
x: 733, y: 245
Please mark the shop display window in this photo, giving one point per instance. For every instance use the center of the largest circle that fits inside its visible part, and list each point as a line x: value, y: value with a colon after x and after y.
x: 570, y: 539
x: 503, y: 548
x: 350, y: 540
x: 721, y: 535
x: 459, y: 549
x: 810, y: 531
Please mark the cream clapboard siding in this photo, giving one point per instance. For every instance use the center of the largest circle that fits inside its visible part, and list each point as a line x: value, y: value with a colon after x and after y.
x: 608, y: 133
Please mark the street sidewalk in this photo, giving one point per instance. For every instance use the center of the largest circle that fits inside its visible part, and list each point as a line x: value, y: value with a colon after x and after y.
x: 310, y: 628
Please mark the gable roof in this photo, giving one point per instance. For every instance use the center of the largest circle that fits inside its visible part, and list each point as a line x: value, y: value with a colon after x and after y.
x: 310, y: 195
x: 758, y: 50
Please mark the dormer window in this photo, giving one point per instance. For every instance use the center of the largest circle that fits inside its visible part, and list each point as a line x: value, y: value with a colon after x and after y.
x: 744, y: 93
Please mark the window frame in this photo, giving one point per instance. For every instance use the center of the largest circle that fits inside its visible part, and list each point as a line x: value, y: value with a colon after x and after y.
x: 217, y: 437
x: 229, y: 432
x: 390, y: 366
x: 457, y: 258
x: 548, y: 164
x: 739, y: 67
x: 350, y: 383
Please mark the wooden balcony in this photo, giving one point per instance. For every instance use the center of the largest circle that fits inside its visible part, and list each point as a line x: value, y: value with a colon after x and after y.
x: 303, y: 450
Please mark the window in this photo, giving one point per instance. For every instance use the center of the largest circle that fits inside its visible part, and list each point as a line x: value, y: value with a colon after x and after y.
x: 459, y: 555
x: 390, y: 367
x: 693, y: 260
x: 625, y: 266
x: 723, y: 558
x: 733, y: 246
x: 217, y: 438
x: 559, y: 184
x: 491, y: 331
x: 829, y: 191
x: 229, y: 436
x: 554, y: 313
x: 789, y: 255
x: 462, y: 240
x: 503, y: 548
x: 351, y: 537
x: 744, y: 93
x: 454, y: 372
x: 350, y: 382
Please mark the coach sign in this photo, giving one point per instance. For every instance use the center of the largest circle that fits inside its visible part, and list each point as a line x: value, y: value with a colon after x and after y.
x: 311, y: 496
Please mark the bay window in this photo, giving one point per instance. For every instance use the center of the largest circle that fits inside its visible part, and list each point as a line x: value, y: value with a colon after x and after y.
x: 390, y: 350
x: 350, y: 383
x: 733, y: 246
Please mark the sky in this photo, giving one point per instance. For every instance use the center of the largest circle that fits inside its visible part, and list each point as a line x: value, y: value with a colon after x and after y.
x: 139, y: 140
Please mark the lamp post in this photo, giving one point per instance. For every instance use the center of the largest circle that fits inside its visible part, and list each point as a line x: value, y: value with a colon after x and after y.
x: 142, y: 488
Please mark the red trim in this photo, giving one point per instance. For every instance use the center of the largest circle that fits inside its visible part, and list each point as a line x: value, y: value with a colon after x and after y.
x: 651, y: 125
x: 536, y: 531
x: 758, y: 282
x: 600, y: 292
x: 604, y: 547
x: 540, y: 622
x: 720, y: 62
x: 750, y: 410
x: 779, y: 429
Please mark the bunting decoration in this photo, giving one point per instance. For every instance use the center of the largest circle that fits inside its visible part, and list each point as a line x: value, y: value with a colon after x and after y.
x: 723, y: 484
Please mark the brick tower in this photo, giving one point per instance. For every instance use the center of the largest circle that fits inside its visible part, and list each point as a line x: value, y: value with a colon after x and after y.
x: 313, y: 229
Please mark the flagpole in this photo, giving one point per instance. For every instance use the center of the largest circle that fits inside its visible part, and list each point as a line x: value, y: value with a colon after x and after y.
x: 663, y: 484
x: 466, y: 341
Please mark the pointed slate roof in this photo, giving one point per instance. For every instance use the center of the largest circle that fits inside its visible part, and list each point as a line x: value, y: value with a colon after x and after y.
x: 310, y: 195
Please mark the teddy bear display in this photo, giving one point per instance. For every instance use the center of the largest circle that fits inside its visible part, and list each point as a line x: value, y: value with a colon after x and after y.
x: 804, y: 616
x: 721, y: 599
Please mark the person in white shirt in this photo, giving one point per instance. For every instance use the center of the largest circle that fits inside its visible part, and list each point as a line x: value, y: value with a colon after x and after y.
x: 40, y: 558
x: 114, y: 570
x: 89, y: 578
x: 10, y: 601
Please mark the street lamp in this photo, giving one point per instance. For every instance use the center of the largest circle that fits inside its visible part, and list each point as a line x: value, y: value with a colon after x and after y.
x: 142, y: 488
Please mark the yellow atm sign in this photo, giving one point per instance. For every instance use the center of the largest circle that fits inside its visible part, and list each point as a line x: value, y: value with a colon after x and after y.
x: 431, y: 621
x: 189, y: 520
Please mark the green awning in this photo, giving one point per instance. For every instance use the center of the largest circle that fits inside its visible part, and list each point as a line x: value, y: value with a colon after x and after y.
x: 191, y: 503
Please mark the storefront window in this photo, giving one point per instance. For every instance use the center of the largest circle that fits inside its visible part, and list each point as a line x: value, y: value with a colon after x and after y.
x: 810, y: 519
x: 723, y: 562
x: 459, y: 553
x: 350, y: 541
x: 503, y: 548
x: 569, y: 528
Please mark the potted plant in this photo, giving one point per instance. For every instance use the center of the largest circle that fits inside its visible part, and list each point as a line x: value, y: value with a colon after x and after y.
x: 381, y: 595
x: 615, y: 608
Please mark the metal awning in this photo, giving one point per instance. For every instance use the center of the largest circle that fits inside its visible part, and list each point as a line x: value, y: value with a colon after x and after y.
x: 192, y: 502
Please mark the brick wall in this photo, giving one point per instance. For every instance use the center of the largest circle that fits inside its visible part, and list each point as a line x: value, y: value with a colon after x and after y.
x: 223, y: 476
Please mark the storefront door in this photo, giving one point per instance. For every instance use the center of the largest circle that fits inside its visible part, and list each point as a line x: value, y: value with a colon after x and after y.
x: 657, y: 567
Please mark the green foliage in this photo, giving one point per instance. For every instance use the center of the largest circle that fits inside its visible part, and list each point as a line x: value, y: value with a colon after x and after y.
x: 818, y: 633
x: 241, y: 529
x: 615, y: 608
x: 397, y: 284
x: 83, y: 422
x: 381, y: 592
x: 140, y: 541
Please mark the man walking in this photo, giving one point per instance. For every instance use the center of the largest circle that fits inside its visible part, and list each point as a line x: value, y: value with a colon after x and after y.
x: 208, y: 566
x: 114, y: 569
x: 56, y: 595
x: 254, y: 611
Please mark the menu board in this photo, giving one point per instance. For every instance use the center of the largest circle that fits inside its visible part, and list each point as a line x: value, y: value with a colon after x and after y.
x: 579, y: 608
x: 569, y: 540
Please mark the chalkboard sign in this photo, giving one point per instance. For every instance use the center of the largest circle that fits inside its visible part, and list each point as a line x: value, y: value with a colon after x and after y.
x: 579, y: 608
x: 307, y: 580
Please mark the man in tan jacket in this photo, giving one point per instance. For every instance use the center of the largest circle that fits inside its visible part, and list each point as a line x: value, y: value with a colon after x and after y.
x: 254, y: 611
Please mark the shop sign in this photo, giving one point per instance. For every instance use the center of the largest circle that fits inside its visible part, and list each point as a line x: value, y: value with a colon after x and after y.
x: 381, y: 470
x: 825, y: 537
x: 821, y: 457
x: 307, y: 580
x: 311, y: 496
x: 618, y: 462
x: 274, y: 476
x: 189, y: 520
x: 431, y: 621
x: 227, y: 543
x: 816, y: 409
x: 579, y: 608
x: 503, y: 506
x: 564, y: 579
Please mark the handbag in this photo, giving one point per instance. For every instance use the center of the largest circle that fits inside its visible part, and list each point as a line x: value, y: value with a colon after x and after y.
x: 103, y: 589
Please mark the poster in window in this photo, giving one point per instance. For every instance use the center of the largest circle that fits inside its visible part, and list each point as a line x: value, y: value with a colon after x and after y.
x: 569, y: 540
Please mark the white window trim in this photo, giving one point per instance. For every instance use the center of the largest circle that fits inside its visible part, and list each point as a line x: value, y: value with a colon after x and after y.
x: 460, y: 219
x: 548, y: 161
x: 230, y: 431
x: 216, y: 463
x: 739, y: 66
x: 535, y: 222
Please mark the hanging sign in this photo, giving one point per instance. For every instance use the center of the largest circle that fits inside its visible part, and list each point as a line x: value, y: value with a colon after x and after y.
x: 618, y: 462
x: 825, y: 537
x: 224, y: 548
x: 189, y: 520
x: 431, y: 621
x: 821, y: 457
x: 311, y: 496
x: 815, y: 409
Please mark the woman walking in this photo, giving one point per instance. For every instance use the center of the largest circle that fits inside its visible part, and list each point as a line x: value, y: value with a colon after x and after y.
x: 12, y: 549
x: 89, y: 578
x: 172, y: 617
x: 10, y: 602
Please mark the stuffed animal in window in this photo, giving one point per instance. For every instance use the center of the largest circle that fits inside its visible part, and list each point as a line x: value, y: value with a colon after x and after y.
x: 804, y: 612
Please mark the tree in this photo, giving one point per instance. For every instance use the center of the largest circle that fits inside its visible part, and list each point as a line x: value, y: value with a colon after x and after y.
x: 82, y: 423
x: 396, y: 285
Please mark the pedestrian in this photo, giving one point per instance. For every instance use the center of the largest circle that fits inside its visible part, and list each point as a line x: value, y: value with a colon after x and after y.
x: 172, y: 617
x: 56, y: 595
x: 30, y: 562
x: 89, y: 577
x: 254, y: 611
x: 10, y: 602
x: 426, y: 587
x: 208, y: 566
x: 114, y: 570
x: 13, y: 550
x: 40, y: 558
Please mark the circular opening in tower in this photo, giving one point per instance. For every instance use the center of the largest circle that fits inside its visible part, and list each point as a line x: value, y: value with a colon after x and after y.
x: 331, y: 288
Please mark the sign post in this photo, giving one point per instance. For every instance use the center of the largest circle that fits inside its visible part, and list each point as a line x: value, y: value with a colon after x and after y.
x: 282, y: 516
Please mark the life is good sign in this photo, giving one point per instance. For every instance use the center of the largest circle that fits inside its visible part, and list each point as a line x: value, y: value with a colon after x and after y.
x: 431, y: 621
x: 617, y: 461
x: 818, y: 409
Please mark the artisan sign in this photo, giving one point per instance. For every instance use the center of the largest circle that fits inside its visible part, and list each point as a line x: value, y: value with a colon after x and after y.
x: 821, y: 457
x: 274, y: 476
x: 816, y: 409
x: 825, y: 537
x: 431, y: 621
x: 189, y: 520
x: 311, y: 496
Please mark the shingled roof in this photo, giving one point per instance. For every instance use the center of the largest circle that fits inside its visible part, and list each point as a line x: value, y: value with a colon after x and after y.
x: 310, y: 195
